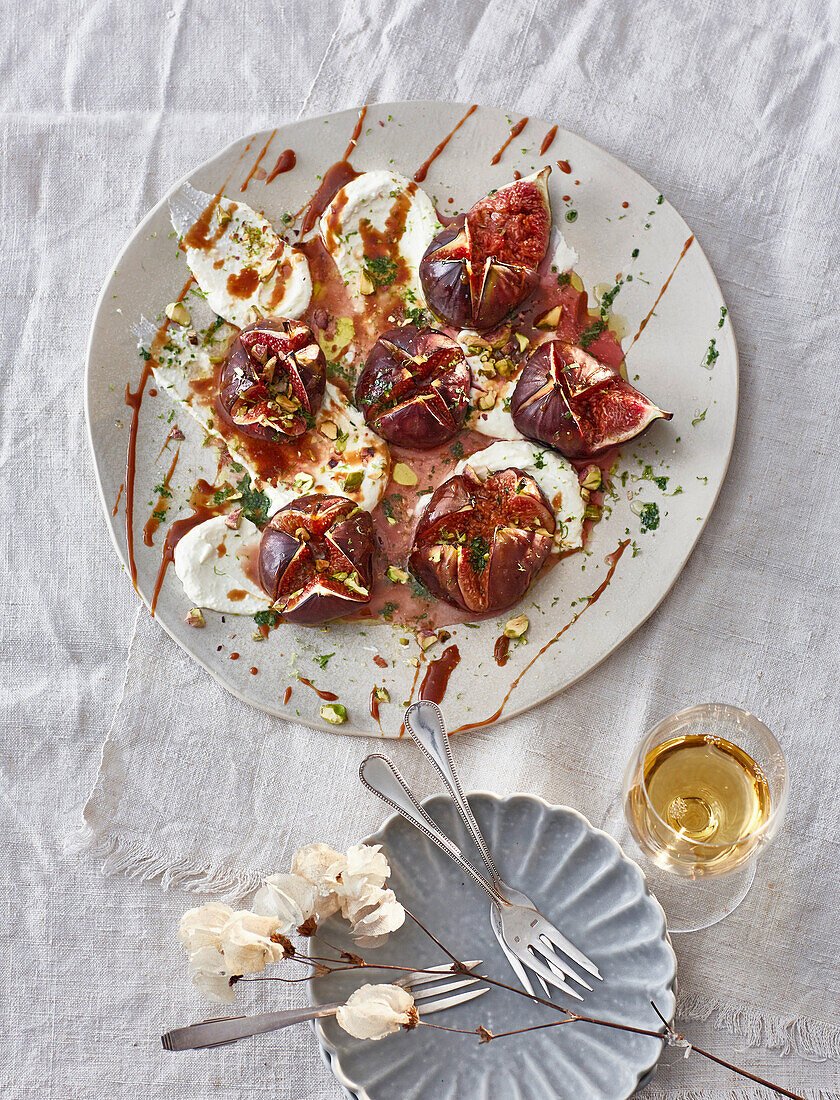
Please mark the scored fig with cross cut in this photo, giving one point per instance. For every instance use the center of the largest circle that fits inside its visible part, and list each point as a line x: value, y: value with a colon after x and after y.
x: 316, y: 558
x: 273, y: 380
x: 483, y: 265
x: 576, y: 404
x: 414, y: 389
x: 480, y: 543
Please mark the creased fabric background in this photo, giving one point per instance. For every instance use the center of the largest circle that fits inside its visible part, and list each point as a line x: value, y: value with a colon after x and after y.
x: 734, y: 113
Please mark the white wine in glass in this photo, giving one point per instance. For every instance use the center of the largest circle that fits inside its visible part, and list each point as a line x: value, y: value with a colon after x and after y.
x: 704, y: 792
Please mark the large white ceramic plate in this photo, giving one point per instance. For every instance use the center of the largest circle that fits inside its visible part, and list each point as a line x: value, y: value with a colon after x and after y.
x: 669, y: 359
x: 579, y: 877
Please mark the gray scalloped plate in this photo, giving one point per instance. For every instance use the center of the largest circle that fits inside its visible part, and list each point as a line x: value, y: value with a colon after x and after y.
x: 621, y: 225
x: 581, y: 880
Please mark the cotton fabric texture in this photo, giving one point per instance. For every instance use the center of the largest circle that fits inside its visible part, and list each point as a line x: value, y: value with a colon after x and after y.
x: 734, y: 114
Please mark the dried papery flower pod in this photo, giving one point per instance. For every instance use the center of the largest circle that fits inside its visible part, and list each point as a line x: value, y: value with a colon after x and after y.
x: 482, y: 266
x: 315, y: 558
x: 414, y: 389
x: 479, y: 544
x: 576, y: 404
x: 273, y: 380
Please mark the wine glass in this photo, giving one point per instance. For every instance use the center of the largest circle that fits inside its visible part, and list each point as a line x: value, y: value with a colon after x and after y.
x: 704, y: 793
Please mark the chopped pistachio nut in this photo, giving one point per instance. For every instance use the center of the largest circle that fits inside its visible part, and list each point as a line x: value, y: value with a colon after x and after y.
x: 365, y: 283
x: 435, y: 554
x: 257, y: 637
x: 404, y: 475
x: 487, y: 401
x: 329, y: 430
x: 397, y: 575
x: 303, y: 482
x: 382, y: 695
x: 267, y: 270
x: 516, y: 627
x: 414, y: 662
x: 522, y: 340
x: 584, y: 494
x: 254, y: 315
x: 426, y: 641
x: 335, y: 713
x: 233, y: 519
x: 195, y: 617
x: 223, y: 215
x: 403, y: 641
x: 591, y: 478
x: 550, y: 319
x: 192, y: 337
x: 353, y: 481
x: 592, y: 511
x: 178, y: 312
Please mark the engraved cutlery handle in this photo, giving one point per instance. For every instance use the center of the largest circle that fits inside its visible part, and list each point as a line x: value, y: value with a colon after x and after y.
x: 425, y: 723
x: 381, y: 776
x: 218, y: 1032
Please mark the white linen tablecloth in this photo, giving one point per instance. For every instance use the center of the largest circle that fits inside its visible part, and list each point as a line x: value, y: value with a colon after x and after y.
x: 734, y: 114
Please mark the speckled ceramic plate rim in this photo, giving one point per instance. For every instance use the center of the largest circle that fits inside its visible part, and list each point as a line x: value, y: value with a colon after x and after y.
x: 329, y: 1052
x: 223, y: 680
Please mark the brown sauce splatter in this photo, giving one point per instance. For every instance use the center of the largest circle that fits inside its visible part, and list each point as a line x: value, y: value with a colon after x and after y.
x: 643, y: 325
x: 237, y: 594
x: 374, y: 706
x: 253, y: 670
x: 613, y: 560
x: 201, y: 511
x: 500, y: 650
x: 263, y: 151
x: 625, y: 205
x: 162, y: 506
x: 327, y: 696
x: 287, y: 696
x: 564, y: 166
x: 547, y: 140
x: 354, y: 137
x: 242, y: 284
x: 234, y: 656
x: 199, y: 235
x: 117, y: 501
x: 515, y: 131
x: 334, y: 179
x: 437, y: 674
x: 285, y: 163
x: 420, y: 174
x: 377, y: 660
x: 134, y: 400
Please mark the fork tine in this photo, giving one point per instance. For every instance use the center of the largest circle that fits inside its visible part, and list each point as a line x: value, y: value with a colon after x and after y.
x: 557, y: 939
x: 449, y: 1002
x: 539, y: 967
x: 515, y: 965
x: 424, y: 993
x: 562, y: 967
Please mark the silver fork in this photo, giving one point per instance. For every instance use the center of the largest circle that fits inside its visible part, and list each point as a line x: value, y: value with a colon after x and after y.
x: 528, y: 936
x: 424, y: 722
x: 230, y: 1029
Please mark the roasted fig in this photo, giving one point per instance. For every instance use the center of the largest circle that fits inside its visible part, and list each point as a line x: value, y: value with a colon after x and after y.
x: 414, y: 389
x: 315, y: 558
x: 480, y: 543
x: 568, y: 399
x: 272, y: 382
x: 482, y: 266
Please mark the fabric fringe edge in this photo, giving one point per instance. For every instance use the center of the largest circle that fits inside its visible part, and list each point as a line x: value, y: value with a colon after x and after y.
x: 806, y: 1037
x: 121, y: 857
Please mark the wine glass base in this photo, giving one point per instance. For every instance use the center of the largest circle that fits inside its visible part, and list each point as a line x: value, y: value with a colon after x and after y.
x: 690, y: 904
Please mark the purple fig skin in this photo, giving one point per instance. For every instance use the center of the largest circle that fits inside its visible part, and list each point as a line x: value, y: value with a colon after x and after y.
x: 483, y: 265
x: 247, y: 390
x: 317, y: 528
x: 415, y: 404
x: 480, y: 544
x: 579, y: 406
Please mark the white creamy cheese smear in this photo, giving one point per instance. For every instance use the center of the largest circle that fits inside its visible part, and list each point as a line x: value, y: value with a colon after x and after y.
x: 371, y: 198
x: 246, y: 262
x: 209, y: 563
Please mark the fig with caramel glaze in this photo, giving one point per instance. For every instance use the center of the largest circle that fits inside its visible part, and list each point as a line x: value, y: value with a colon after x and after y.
x: 577, y: 404
x: 414, y: 389
x: 482, y: 266
x: 479, y: 544
x: 273, y: 380
x: 315, y: 558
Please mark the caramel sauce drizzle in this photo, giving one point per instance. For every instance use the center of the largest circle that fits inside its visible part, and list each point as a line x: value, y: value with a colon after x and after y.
x: 327, y: 696
x: 201, y: 511
x: 117, y: 501
x: 374, y: 706
x: 420, y: 174
x: 153, y: 522
x: 547, y: 140
x: 134, y: 400
x: 285, y: 163
x: 564, y: 166
x: 354, y: 137
x: 515, y: 131
x: 643, y: 325
x: 437, y: 675
x: 335, y: 177
x: 263, y: 151
x: 287, y: 696
x: 613, y: 560
x: 411, y: 696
